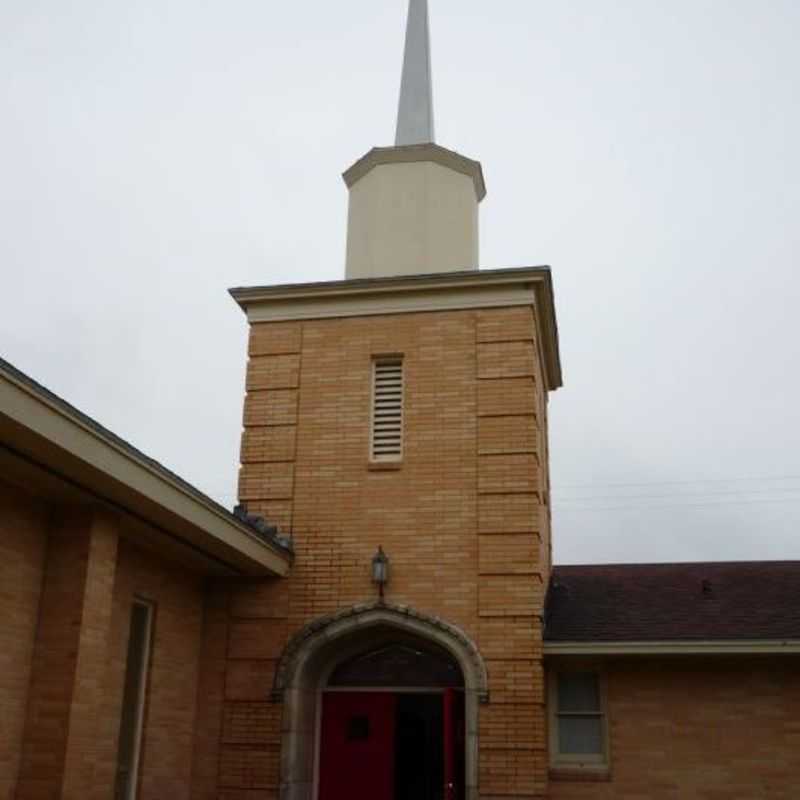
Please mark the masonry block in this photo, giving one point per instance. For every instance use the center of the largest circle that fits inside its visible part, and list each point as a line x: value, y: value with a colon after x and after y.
x: 506, y: 324
x: 273, y: 372
x: 507, y: 396
x: 499, y: 474
x: 508, y: 434
x: 509, y: 513
x: 275, y: 338
x: 510, y: 638
x: 506, y: 360
x: 270, y: 481
x: 274, y: 407
x: 510, y: 595
x: 510, y: 554
x: 274, y: 443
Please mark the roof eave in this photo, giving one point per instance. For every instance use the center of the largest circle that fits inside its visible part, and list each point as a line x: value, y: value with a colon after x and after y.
x: 684, y: 647
x: 51, y: 433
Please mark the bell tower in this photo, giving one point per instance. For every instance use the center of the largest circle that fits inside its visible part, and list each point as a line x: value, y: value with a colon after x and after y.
x: 398, y: 418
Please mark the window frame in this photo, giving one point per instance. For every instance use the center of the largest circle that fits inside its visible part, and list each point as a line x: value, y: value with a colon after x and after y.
x: 583, y: 762
x: 391, y: 461
x: 144, y: 667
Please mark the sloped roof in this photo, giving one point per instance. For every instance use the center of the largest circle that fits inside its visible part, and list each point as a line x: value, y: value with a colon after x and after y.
x: 724, y: 601
x: 41, y: 429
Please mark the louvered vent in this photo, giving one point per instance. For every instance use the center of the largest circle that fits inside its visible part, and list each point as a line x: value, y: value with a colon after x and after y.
x: 387, y: 409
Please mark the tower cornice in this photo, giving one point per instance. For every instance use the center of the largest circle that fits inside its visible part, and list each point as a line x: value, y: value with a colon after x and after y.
x: 415, y: 153
x: 406, y: 294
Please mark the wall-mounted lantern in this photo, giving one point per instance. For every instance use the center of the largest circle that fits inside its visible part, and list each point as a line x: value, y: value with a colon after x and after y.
x: 380, y: 570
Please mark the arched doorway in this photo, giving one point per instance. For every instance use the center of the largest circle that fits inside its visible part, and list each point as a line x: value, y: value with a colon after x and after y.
x: 392, y: 725
x: 360, y: 688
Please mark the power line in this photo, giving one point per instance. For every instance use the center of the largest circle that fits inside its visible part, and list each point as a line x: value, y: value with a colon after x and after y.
x: 657, y: 506
x: 674, y: 495
x: 750, y: 479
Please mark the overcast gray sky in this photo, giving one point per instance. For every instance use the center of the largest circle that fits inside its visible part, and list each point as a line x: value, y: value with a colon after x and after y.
x: 155, y: 153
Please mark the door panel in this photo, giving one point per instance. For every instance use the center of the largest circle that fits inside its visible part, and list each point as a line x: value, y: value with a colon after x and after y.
x: 357, y: 753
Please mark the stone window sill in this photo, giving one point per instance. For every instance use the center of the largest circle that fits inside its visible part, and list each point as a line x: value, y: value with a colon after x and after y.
x: 384, y: 466
x: 580, y: 774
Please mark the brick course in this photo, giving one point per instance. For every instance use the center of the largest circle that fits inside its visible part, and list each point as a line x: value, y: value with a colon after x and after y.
x: 507, y: 434
x: 510, y: 554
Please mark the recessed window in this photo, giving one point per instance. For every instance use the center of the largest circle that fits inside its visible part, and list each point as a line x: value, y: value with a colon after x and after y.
x: 133, y: 700
x: 578, y: 720
x: 386, y: 436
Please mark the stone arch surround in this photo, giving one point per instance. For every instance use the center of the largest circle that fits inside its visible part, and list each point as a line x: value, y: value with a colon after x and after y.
x: 313, y: 653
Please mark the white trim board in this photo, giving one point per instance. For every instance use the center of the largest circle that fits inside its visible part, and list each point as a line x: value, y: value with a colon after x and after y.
x: 364, y: 305
x: 732, y: 647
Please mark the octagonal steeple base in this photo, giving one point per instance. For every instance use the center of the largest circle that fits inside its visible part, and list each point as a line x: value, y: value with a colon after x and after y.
x: 413, y: 210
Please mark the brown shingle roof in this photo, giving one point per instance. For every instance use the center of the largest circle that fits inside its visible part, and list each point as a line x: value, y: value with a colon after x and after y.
x: 674, y: 602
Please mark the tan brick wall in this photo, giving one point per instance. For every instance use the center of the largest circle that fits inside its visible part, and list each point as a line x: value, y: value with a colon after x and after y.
x: 172, y: 695
x: 463, y: 521
x: 61, y: 707
x: 250, y: 725
x: 55, y: 724
x: 700, y: 731
x: 85, y: 742
x: 513, y: 526
x: 210, y: 695
x: 23, y: 539
x: 512, y: 523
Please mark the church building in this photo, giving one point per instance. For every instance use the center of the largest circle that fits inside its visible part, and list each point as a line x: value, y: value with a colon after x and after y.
x: 380, y: 617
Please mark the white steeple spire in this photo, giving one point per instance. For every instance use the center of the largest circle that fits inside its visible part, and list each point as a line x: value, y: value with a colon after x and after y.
x: 413, y: 207
x: 415, y: 117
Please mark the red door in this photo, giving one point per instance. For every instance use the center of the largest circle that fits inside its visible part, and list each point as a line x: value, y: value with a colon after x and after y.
x: 357, y: 754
